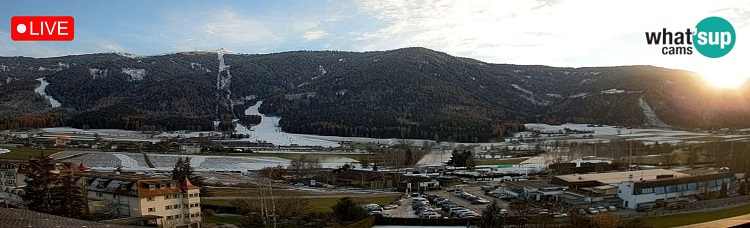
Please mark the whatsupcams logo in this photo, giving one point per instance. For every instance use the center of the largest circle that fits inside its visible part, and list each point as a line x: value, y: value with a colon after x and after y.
x: 713, y: 37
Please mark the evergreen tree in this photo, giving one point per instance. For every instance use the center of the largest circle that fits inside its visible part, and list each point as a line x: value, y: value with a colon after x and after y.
x: 491, y: 216
x: 53, y: 191
x: 39, y: 180
x: 182, y: 169
x: 72, y: 202
x: 346, y: 210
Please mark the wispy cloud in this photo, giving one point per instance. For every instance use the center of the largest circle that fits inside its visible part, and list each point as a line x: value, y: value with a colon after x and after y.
x: 314, y: 34
x: 550, y: 32
x: 214, y: 29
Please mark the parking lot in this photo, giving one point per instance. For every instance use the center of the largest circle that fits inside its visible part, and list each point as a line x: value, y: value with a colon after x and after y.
x: 475, y: 190
x: 403, y: 211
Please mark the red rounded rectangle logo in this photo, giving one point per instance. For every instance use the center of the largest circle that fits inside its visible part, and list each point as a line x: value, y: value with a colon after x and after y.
x: 42, y: 28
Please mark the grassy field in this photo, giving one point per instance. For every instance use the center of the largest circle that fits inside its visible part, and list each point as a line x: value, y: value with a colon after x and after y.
x: 222, y: 219
x: 507, y: 161
x: 323, y: 205
x: 242, y: 192
x: 25, y: 153
x: 696, y: 217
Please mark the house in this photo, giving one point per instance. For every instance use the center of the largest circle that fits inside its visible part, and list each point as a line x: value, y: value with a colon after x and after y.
x: 166, y: 202
x: 11, y: 180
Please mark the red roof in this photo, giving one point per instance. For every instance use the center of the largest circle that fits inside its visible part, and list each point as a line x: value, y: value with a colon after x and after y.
x: 83, y: 168
x: 185, y: 185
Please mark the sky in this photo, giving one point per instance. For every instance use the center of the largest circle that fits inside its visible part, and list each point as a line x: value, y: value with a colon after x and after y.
x: 565, y: 33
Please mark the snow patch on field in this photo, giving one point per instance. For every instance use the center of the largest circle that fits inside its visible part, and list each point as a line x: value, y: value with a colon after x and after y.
x: 98, y: 73
x: 612, y: 91
x: 579, y: 95
x: 519, y: 88
x: 529, y: 96
x: 128, y: 162
x: 268, y: 130
x: 321, y: 70
x: 136, y: 74
x: 41, y: 90
x: 651, y: 118
x: 127, y: 55
x: 198, y: 66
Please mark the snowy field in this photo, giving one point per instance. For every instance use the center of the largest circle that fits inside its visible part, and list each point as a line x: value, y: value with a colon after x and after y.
x: 645, y: 135
x: 269, y: 131
x: 42, y: 90
x: 165, y: 162
x: 105, y: 134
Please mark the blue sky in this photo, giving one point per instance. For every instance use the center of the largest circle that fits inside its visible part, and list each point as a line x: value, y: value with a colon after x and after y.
x: 153, y: 27
x: 550, y: 32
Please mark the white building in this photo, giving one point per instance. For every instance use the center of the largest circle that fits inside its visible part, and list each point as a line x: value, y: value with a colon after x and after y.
x: 159, y: 200
x: 644, y: 188
x: 11, y: 181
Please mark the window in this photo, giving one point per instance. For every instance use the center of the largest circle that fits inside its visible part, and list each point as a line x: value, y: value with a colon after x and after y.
x: 151, y: 186
x: 647, y: 190
x: 692, y: 186
x: 177, y: 216
x: 150, y: 198
x: 167, y: 196
x: 176, y: 206
x: 151, y: 209
x: 167, y: 207
x: 659, y: 190
x: 671, y: 188
x: 682, y: 187
x: 169, y: 217
x: 99, y: 194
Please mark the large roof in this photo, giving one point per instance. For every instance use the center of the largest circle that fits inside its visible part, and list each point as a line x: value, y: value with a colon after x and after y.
x: 618, y: 177
x: 10, y: 217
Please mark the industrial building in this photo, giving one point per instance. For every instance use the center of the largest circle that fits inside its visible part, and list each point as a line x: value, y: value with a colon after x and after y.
x: 645, y: 188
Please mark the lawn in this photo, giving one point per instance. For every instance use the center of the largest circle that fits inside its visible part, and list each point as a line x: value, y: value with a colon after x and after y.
x: 222, y: 219
x: 26, y: 153
x: 323, y: 205
x: 507, y: 161
x: 697, y: 217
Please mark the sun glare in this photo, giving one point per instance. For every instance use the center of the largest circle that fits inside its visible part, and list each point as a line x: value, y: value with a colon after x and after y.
x: 723, y: 79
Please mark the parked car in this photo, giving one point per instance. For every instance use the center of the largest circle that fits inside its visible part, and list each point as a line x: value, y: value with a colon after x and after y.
x: 480, y: 201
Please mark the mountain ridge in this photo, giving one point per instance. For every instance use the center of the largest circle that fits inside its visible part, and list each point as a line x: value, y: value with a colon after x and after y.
x: 409, y: 92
